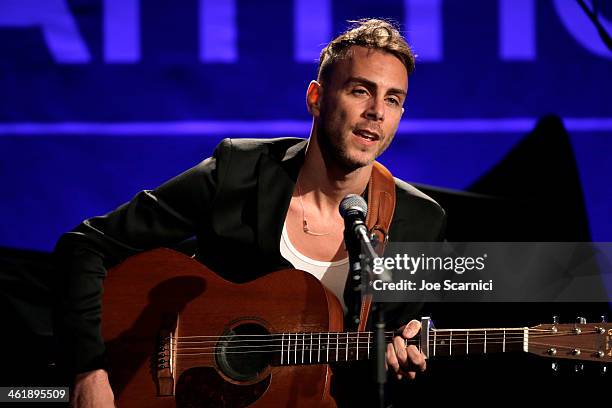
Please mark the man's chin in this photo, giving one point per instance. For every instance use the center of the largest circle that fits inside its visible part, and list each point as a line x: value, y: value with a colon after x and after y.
x: 352, y: 163
x: 345, y: 157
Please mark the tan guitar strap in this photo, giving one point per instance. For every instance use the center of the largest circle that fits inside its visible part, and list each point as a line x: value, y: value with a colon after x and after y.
x: 381, y: 206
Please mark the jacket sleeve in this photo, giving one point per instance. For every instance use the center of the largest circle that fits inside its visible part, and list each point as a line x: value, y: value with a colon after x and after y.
x: 418, y: 219
x: 155, y: 218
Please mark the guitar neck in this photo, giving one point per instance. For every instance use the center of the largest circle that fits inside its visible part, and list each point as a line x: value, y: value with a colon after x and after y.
x: 316, y: 348
x: 458, y: 342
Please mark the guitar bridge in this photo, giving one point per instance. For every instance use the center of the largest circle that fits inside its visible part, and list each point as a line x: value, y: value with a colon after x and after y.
x: 165, y: 359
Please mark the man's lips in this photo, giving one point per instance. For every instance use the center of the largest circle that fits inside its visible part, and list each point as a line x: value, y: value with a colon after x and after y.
x: 367, y: 134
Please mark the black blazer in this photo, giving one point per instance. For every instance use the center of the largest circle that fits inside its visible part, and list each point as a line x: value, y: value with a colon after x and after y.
x: 234, y: 202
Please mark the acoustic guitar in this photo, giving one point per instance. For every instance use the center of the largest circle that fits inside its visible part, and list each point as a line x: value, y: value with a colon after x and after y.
x: 179, y: 335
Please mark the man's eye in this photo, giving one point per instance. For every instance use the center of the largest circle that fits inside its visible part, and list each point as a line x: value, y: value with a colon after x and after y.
x: 359, y: 91
x: 393, y: 101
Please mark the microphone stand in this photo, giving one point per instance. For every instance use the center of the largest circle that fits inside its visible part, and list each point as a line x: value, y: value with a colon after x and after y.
x: 361, y: 259
x: 353, y: 248
x: 367, y: 259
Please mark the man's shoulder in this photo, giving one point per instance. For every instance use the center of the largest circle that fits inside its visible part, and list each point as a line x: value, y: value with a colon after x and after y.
x: 276, y: 147
x: 417, y: 216
x: 409, y: 198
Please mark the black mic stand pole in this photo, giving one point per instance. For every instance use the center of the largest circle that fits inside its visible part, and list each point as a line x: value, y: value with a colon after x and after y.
x: 361, y: 259
x: 353, y: 248
x: 367, y: 257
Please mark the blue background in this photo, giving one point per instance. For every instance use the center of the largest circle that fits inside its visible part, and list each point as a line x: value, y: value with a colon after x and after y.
x: 100, y: 99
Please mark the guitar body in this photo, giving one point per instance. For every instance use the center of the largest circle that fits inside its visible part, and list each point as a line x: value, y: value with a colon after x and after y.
x: 162, y: 294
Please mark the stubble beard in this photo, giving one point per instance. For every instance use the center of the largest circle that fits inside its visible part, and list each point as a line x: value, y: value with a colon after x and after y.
x: 335, y: 151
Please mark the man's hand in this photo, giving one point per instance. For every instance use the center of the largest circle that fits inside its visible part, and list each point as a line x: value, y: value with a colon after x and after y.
x: 405, y: 361
x: 92, y: 389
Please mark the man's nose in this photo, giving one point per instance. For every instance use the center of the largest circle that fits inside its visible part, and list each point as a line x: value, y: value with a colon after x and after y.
x: 376, y: 109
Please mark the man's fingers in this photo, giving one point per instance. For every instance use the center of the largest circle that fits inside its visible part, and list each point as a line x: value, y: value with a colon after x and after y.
x: 405, y: 361
x: 392, y: 358
x: 416, y: 358
x: 400, y: 351
x: 411, y: 329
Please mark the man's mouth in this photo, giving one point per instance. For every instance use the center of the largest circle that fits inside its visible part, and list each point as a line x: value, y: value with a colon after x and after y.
x: 367, y: 134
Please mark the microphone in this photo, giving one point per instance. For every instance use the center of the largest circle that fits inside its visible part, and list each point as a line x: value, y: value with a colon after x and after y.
x: 354, y: 209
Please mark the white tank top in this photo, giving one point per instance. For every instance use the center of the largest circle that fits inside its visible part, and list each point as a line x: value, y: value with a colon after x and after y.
x: 331, y: 274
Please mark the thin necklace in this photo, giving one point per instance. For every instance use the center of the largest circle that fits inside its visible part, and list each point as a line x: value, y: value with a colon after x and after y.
x: 304, y: 222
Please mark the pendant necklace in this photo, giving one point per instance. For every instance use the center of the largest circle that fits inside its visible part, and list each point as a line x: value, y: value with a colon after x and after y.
x: 304, y: 222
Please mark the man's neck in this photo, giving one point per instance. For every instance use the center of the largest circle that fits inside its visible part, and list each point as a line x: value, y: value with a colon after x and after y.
x: 328, y: 183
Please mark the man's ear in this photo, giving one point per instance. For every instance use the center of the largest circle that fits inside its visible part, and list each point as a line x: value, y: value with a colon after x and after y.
x: 313, y: 98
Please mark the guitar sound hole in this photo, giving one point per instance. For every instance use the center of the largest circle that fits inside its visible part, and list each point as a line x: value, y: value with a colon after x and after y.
x: 244, y: 352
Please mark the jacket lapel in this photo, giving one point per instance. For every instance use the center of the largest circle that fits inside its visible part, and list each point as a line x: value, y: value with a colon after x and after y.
x: 275, y: 185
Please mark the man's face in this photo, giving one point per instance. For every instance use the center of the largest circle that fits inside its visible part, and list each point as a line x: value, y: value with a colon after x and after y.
x: 361, y: 106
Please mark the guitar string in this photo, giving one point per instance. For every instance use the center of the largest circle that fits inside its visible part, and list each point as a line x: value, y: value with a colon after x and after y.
x: 330, y: 345
x: 459, y: 341
x: 292, y: 337
x: 333, y: 344
x: 343, y: 341
x: 341, y: 351
x: 388, y: 332
x: 334, y: 339
x: 362, y: 334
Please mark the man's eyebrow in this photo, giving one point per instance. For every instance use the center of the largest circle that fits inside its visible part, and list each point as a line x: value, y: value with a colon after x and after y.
x: 372, y: 85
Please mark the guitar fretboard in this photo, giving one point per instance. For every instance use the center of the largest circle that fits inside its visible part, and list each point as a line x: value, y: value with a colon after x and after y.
x: 476, y: 341
x: 316, y: 348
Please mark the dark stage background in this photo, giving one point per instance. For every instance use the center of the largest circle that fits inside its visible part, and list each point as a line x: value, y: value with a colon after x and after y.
x: 508, y: 121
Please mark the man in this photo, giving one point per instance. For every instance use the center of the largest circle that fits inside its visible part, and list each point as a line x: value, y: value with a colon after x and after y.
x: 275, y: 201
